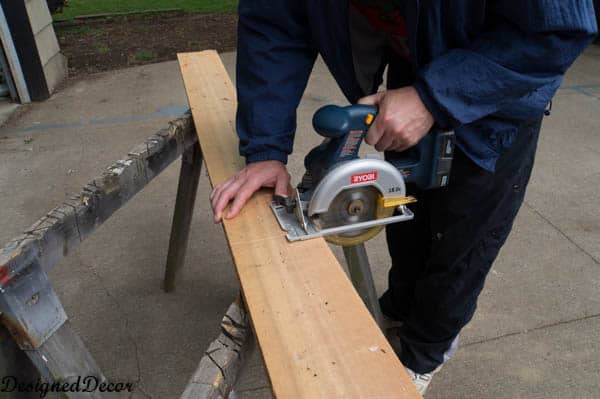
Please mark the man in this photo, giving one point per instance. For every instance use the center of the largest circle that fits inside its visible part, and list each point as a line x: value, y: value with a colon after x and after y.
x: 487, y: 70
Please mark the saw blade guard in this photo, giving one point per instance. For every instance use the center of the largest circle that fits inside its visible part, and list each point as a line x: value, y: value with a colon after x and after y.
x: 354, y: 174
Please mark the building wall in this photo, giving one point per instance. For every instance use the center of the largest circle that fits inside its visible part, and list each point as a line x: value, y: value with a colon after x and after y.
x: 30, y: 27
x: 53, y: 62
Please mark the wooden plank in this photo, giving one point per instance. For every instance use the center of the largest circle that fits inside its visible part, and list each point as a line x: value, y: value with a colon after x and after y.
x: 317, y: 338
x: 62, y: 229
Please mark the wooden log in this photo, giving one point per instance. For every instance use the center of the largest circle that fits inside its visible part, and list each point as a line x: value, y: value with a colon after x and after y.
x: 218, y: 370
x: 189, y: 176
x: 316, y: 336
x: 63, y: 228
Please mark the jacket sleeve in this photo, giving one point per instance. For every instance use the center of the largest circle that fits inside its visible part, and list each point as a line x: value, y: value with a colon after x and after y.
x: 274, y: 60
x: 525, y: 51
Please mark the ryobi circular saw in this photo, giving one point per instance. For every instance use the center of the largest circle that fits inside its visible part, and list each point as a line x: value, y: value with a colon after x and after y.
x: 347, y: 199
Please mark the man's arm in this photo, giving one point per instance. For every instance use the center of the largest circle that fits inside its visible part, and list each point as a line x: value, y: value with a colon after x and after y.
x: 527, y: 49
x: 274, y: 60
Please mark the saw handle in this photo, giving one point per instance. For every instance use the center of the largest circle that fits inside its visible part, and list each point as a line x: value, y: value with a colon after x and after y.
x: 333, y: 121
x: 428, y: 163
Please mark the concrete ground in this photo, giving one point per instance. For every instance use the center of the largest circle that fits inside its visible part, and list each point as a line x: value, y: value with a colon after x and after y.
x: 7, y: 109
x: 536, y: 333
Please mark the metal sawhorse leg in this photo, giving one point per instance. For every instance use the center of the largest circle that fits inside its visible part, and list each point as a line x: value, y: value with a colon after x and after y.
x: 191, y: 166
x: 362, y: 279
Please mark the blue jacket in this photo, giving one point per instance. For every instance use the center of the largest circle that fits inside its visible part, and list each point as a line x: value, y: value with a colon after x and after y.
x: 483, y: 67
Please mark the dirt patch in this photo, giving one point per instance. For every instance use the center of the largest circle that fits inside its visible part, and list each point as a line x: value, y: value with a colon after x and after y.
x: 117, y: 42
x: 101, y: 44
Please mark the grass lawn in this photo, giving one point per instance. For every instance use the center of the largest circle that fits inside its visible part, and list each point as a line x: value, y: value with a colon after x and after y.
x: 87, y: 7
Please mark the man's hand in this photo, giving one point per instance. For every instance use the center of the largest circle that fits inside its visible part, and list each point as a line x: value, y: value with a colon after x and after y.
x: 402, y: 120
x: 239, y: 188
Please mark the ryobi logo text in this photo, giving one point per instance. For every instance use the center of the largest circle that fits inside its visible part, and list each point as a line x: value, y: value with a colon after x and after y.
x: 363, y: 177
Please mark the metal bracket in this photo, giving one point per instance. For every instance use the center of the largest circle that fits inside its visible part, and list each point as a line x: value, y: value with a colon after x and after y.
x: 31, y: 311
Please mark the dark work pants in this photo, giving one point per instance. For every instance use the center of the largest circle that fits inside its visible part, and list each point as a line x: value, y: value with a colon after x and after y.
x: 441, y: 258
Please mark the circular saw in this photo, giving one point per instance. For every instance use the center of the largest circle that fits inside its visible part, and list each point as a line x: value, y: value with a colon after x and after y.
x: 347, y: 199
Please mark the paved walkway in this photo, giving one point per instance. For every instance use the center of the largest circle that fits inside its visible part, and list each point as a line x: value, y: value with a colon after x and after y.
x: 535, y: 334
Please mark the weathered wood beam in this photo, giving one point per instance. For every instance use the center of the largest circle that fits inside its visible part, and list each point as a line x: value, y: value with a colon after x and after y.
x: 14, y: 362
x: 64, y: 358
x: 62, y: 229
x: 218, y: 370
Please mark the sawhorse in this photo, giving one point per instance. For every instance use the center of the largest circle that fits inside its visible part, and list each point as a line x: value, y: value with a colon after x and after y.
x: 31, y: 310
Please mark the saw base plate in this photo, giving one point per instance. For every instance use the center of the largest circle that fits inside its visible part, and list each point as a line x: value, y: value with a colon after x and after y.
x: 296, y: 232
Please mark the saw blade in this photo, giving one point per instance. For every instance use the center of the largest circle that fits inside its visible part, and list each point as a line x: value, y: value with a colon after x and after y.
x: 353, y: 206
